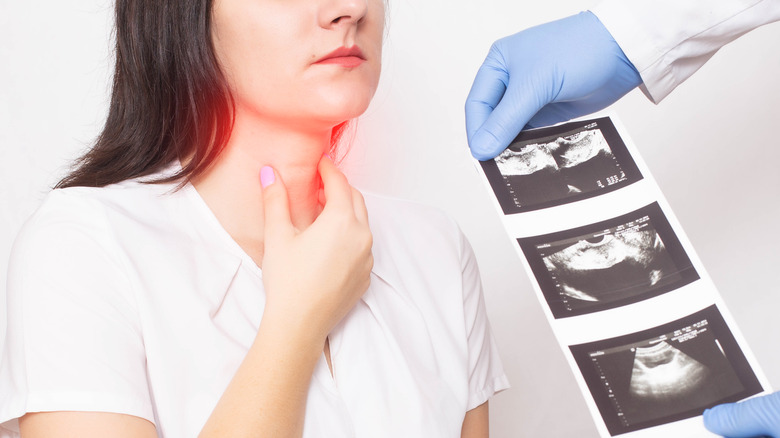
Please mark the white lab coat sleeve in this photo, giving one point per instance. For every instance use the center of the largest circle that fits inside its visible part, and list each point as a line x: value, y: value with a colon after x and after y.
x: 669, y: 40
x: 74, y: 338
x: 486, y: 373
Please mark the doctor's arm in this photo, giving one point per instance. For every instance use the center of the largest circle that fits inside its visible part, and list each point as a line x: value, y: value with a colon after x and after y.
x: 581, y: 64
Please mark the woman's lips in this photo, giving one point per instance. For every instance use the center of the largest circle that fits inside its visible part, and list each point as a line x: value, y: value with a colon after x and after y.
x: 346, y: 57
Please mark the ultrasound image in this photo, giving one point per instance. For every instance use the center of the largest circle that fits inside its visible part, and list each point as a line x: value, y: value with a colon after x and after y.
x: 558, y: 155
x: 665, y: 374
x: 609, y: 264
x: 612, y: 264
x: 556, y: 165
x: 662, y: 373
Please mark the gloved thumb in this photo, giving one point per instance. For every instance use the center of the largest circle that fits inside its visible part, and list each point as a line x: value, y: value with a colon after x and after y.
x: 276, y: 207
x: 751, y: 418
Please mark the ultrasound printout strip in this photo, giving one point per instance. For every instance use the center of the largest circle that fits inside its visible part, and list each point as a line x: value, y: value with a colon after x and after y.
x: 642, y: 326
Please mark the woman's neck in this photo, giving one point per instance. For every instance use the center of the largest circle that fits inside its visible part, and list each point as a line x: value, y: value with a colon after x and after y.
x: 231, y: 186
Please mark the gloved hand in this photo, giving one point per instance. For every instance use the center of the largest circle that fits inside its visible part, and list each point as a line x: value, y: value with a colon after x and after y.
x: 756, y: 417
x: 544, y: 75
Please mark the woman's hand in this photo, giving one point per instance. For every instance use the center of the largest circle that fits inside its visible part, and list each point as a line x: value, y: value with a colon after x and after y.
x: 314, y: 277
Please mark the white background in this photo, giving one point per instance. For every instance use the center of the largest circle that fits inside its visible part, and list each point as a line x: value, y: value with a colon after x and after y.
x: 712, y: 145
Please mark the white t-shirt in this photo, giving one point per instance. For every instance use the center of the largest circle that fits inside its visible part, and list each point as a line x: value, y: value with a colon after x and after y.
x: 133, y: 299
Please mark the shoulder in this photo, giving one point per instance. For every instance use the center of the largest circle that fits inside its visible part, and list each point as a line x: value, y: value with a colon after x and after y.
x: 67, y: 235
x: 63, y: 215
x: 79, y: 227
x: 385, y: 205
x: 86, y: 211
x: 412, y: 224
x: 418, y: 250
x: 91, y: 204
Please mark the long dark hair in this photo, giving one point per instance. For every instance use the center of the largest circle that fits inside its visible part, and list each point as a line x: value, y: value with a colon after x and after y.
x: 169, y: 98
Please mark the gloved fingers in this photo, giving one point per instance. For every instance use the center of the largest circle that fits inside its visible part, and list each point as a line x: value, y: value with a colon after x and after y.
x: 751, y: 418
x: 521, y: 101
x: 486, y: 92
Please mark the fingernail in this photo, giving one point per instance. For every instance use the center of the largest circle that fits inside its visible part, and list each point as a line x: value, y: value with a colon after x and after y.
x: 267, y: 176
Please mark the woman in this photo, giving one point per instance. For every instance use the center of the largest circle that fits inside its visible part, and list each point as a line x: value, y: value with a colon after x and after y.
x: 209, y: 271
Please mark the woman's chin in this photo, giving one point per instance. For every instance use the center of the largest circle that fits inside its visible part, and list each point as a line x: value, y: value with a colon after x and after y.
x: 343, y: 102
x: 335, y: 112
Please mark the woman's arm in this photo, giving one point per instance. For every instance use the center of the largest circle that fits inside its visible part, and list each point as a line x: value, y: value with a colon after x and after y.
x: 84, y: 424
x: 267, y: 396
x: 475, y: 425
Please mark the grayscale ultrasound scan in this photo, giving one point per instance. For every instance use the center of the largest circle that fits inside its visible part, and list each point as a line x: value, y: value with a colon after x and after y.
x: 667, y: 373
x: 608, y: 264
x: 566, y: 163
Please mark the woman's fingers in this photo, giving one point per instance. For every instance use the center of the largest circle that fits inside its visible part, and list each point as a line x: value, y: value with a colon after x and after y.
x: 359, y: 205
x: 337, y: 191
x: 275, y: 206
x: 334, y: 252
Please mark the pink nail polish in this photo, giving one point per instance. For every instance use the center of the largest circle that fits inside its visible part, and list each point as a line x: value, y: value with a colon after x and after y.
x: 267, y: 176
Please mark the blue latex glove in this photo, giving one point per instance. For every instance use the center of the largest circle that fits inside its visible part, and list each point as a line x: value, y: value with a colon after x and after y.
x: 544, y: 75
x: 756, y: 417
